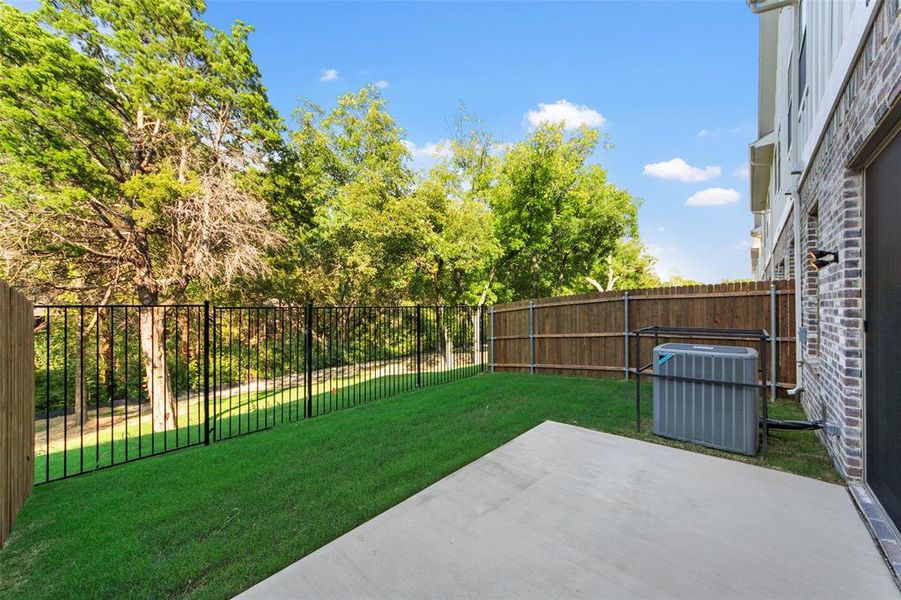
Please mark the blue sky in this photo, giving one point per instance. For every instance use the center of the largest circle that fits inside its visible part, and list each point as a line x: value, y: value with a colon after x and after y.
x: 670, y: 80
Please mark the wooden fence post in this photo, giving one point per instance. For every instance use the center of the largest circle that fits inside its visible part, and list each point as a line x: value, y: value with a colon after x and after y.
x: 531, y: 337
x: 774, y: 343
x: 16, y: 405
x: 492, y: 339
x: 626, y: 334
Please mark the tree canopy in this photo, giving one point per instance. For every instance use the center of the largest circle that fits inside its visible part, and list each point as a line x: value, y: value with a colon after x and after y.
x: 130, y: 136
x: 140, y: 159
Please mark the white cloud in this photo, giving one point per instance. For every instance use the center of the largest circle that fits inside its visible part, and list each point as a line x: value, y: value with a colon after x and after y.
x: 660, y: 251
x: 741, y: 171
x: 715, y: 196
x: 499, y: 148
x: 429, y: 149
x: 661, y: 228
x: 710, y: 133
x: 329, y: 75
x: 571, y: 115
x: 382, y: 84
x: 679, y: 170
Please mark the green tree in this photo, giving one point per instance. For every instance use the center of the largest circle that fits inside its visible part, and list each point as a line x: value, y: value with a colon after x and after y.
x: 462, y: 245
x: 628, y: 267
x: 132, y: 137
x: 556, y: 215
x: 676, y: 280
x: 369, y: 229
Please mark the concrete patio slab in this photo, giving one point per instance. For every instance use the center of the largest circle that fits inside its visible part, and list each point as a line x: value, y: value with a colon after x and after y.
x: 563, y: 511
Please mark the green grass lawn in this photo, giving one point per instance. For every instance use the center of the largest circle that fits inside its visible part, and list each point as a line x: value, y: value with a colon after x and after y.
x: 210, y: 522
x: 232, y: 415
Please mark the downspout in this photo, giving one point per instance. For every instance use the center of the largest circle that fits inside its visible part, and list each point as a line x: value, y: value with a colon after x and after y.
x: 799, y: 347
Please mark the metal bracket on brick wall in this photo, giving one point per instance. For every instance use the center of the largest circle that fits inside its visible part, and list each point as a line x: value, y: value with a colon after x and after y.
x: 626, y: 334
x: 492, y: 339
x: 531, y: 337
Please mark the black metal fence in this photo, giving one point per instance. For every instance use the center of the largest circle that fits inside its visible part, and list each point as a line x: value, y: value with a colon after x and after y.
x: 117, y: 383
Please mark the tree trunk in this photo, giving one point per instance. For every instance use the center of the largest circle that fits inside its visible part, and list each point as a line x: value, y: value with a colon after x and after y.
x: 80, y: 391
x: 477, y: 321
x: 477, y: 336
x: 448, y: 346
x: 159, y: 386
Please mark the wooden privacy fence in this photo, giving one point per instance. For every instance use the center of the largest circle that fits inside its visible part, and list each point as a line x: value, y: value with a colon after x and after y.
x: 16, y: 405
x: 589, y: 334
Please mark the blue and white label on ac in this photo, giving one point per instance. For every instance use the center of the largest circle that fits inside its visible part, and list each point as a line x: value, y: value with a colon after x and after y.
x: 664, y: 358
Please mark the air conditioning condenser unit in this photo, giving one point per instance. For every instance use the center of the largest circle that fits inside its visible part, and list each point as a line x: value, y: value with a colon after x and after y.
x: 712, y: 414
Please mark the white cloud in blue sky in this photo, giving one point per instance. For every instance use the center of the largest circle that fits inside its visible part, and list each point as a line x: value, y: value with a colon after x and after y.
x: 382, y: 84
x: 677, y: 169
x: 741, y: 171
x: 429, y: 149
x: 715, y: 196
x: 425, y: 155
x: 571, y: 115
x: 329, y: 75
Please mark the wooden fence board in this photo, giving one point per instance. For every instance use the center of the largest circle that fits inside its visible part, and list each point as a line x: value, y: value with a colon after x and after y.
x: 5, y: 413
x: 584, y: 334
x: 16, y: 405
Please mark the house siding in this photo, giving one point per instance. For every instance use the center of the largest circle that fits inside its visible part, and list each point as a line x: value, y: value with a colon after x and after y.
x: 831, y: 200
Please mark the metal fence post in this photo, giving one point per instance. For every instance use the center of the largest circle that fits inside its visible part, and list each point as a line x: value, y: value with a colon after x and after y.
x: 531, y: 337
x: 762, y: 393
x: 308, y: 355
x: 418, y: 345
x: 626, y: 333
x: 206, y: 372
x: 638, y: 381
x: 481, y: 338
x: 774, y: 335
x: 491, y: 345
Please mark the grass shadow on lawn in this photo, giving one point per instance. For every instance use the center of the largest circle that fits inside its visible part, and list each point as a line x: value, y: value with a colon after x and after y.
x: 211, y: 522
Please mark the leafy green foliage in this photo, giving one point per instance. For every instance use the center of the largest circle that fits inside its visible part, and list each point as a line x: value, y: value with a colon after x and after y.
x: 130, y: 135
x: 367, y: 227
x: 140, y: 158
x: 556, y: 214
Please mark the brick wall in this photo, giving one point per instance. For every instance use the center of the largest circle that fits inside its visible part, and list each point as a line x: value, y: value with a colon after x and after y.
x: 831, y: 205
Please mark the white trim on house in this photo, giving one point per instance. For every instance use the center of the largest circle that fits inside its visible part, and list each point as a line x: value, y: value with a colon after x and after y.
x: 835, y: 34
x: 841, y: 71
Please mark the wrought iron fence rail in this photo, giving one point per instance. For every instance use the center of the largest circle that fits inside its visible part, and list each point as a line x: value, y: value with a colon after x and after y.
x: 118, y: 383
